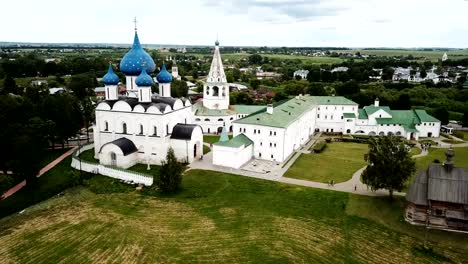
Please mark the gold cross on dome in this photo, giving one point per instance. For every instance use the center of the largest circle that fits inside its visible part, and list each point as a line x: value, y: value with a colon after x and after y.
x: 135, y: 21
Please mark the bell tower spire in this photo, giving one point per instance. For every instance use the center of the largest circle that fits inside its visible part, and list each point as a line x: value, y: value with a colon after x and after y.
x: 216, y: 88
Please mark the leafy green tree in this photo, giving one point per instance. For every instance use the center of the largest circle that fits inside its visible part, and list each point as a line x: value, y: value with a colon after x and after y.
x: 255, y: 59
x: 465, y: 119
x: 170, y: 175
x: 255, y: 83
x: 389, y: 164
x: 423, y: 73
x: 195, y: 73
x: 314, y: 75
x: 279, y: 96
x: 403, y: 102
x: 387, y: 73
x: 179, y: 88
x: 442, y: 114
x: 9, y: 85
x: 236, y: 74
x: 317, y: 89
x: 229, y: 77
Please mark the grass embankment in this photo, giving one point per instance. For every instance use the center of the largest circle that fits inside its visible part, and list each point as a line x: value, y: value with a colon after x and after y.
x: 337, y: 162
x: 8, y: 181
x: 220, y: 218
x: 49, y: 184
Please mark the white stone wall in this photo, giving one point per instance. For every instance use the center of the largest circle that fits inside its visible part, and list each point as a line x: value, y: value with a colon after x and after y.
x: 330, y: 117
x: 121, y: 160
x: 232, y: 157
x: 151, y: 147
x: 429, y: 129
x: 210, y: 124
x: 276, y: 144
x: 184, y: 149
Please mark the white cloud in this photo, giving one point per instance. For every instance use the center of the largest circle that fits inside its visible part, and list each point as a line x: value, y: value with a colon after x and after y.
x: 358, y: 23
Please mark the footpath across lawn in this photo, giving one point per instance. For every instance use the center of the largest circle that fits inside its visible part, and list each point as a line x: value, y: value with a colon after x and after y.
x: 337, y: 162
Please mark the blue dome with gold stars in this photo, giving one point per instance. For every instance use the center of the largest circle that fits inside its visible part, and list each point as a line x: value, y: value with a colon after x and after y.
x: 164, y: 76
x: 110, y: 78
x: 144, y: 80
x: 136, y: 59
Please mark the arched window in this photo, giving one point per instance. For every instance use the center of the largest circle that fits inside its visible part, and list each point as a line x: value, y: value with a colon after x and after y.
x: 215, y: 91
x: 167, y: 129
x: 207, y: 119
x: 231, y: 118
x: 220, y: 119
x: 141, y: 129
x: 106, y: 126
x: 124, y: 128
x: 155, y: 131
x: 197, y: 119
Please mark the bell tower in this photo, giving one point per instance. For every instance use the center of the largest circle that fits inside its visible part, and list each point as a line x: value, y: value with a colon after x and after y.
x: 216, y: 88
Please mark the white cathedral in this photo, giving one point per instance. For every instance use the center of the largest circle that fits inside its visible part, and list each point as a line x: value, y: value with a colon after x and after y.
x: 141, y: 127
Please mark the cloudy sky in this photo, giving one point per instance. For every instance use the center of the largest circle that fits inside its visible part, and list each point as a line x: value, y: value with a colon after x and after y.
x: 344, y: 23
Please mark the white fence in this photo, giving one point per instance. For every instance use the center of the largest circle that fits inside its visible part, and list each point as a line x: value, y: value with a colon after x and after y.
x: 116, y: 173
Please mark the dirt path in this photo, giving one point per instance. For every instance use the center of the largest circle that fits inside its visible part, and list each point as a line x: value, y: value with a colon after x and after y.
x: 49, y: 166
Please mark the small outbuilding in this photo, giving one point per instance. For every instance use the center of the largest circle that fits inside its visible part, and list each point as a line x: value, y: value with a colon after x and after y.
x: 438, y: 197
x: 233, y: 153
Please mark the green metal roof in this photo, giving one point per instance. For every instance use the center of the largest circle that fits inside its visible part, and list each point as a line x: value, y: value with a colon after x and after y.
x: 349, y: 115
x: 200, y: 110
x: 370, y: 109
x: 402, y: 117
x: 283, y: 114
x: 332, y: 100
x: 247, y: 109
x: 425, y: 117
x: 362, y: 114
x: 235, y: 142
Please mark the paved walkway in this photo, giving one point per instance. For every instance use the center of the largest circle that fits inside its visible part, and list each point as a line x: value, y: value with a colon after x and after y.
x: 49, y: 166
x: 276, y: 172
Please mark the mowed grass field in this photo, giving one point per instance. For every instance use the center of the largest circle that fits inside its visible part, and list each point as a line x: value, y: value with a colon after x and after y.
x: 220, y: 218
x: 337, y: 162
x: 431, y: 55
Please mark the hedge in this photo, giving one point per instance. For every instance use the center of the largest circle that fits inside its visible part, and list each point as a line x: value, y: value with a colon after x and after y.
x: 319, y: 147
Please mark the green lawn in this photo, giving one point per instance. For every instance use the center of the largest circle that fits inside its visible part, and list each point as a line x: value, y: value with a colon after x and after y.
x: 206, y: 149
x: 415, y: 151
x: 337, y: 162
x: 143, y: 168
x: 220, y: 218
x: 52, y: 182
x: 461, y: 157
x: 52, y: 154
x: 88, y: 155
x: 212, y: 138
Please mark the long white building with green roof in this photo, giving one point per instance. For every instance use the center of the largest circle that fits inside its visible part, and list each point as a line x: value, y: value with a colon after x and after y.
x: 276, y: 132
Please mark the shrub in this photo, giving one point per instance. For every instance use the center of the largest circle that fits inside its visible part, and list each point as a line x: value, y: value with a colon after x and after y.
x: 319, y: 147
x: 328, y: 140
